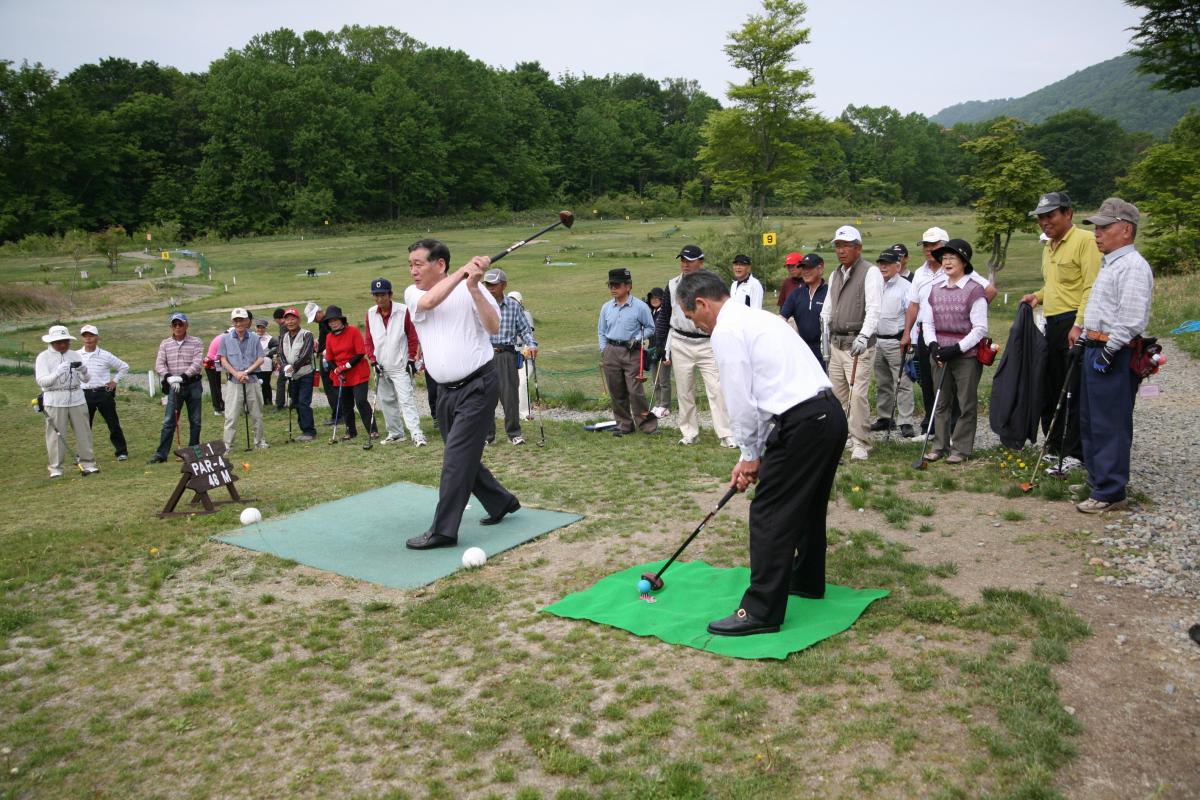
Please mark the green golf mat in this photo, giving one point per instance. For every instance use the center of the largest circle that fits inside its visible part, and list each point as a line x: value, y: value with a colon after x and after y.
x: 695, y: 593
x: 362, y: 536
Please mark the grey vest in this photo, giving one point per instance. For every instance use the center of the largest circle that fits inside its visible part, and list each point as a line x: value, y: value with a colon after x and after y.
x: 849, y: 299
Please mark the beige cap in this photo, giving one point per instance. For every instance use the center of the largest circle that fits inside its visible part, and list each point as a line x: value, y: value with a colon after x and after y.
x: 1114, y: 209
x: 89, y: 329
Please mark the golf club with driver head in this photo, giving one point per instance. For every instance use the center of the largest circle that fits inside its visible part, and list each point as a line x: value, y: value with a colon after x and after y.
x: 1063, y: 396
x: 655, y: 578
x: 565, y: 218
x: 537, y: 398
x: 922, y: 462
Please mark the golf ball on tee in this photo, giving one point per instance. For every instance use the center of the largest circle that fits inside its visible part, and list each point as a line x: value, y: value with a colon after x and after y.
x: 644, y: 586
x: 251, y: 516
x: 474, y: 557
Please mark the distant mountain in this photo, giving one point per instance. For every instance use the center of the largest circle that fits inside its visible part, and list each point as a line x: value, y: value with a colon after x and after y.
x: 1111, y: 89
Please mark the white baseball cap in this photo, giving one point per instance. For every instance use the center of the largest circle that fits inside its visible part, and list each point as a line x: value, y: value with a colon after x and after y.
x: 935, y: 235
x: 89, y: 329
x: 239, y: 313
x: 847, y: 233
x: 310, y: 311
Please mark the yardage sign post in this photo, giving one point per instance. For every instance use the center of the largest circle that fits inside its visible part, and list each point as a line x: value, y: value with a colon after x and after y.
x: 204, y: 469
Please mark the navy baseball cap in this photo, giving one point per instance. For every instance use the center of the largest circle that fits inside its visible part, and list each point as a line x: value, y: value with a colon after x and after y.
x: 619, y: 275
x: 812, y: 260
x: 888, y: 256
x: 381, y: 286
x: 899, y: 249
x: 178, y: 316
x: 741, y: 259
x: 691, y: 252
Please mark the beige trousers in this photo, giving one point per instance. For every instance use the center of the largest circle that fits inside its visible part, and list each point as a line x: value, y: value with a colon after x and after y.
x: 854, y: 398
x: 61, y: 417
x: 233, y: 411
x: 687, y: 356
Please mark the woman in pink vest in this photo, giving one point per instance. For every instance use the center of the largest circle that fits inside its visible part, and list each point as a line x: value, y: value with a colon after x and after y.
x: 954, y: 316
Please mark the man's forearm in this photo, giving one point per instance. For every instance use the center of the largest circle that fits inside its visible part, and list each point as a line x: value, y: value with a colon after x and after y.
x: 487, y: 312
x: 440, y: 291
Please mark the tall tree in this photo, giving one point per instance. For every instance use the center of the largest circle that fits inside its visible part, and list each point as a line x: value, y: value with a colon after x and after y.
x: 1168, y: 42
x: 1086, y: 151
x: 759, y: 142
x: 1008, y: 180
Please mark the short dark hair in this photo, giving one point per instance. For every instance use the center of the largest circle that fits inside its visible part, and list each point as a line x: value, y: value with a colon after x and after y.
x: 436, y: 250
x: 700, y: 283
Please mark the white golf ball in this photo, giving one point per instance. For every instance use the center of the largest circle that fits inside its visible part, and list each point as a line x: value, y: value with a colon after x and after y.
x: 251, y: 516
x: 474, y: 557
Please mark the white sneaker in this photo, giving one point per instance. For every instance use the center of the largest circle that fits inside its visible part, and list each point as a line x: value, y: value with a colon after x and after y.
x: 56, y: 473
x: 419, y: 441
x: 517, y: 440
x: 91, y: 469
x: 262, y: 446
x: 122, y: 457
x: 661, y: 411
x: 689, y: 440
x: 1069, y: 464
x: 728, y: 442
x: 393, y: 439
x: 860, y: 453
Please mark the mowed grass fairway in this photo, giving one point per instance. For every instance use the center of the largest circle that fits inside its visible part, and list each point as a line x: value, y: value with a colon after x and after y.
x: 138, y: 659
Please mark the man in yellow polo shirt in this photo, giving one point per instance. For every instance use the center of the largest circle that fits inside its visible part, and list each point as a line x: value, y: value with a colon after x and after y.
x: 1070, y: 263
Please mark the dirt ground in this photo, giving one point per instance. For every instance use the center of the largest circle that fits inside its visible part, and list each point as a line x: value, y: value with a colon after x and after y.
x: 1134, y: 685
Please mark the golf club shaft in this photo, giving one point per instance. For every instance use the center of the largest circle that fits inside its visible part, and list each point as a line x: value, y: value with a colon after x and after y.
x: 246, y: 413
x: 337, y: 414
x: 523, y: 242
x: 537, y: 394
x: 732, y: 491
x: 932, y: 417
x: 175, y: 402
x: 1062, y: 399
x: 63, y: 439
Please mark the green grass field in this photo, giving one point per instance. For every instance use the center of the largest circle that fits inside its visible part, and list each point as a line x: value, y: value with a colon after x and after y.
x: 137, y: 659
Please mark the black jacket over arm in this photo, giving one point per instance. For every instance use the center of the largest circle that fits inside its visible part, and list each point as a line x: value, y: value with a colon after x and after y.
x: 1016, y: 407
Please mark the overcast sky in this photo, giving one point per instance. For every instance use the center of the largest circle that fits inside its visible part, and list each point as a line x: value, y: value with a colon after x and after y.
x: 920, y: 55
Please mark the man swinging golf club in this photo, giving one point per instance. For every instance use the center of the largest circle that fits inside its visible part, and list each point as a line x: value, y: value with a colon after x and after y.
x: 766, y: 379
x: 454, y: 318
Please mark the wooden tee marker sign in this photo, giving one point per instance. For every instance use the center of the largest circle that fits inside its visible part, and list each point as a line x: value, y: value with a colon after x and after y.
x: 204, y: 469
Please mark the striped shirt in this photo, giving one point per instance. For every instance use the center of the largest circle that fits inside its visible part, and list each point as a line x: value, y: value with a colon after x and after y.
x: 514, y: 325
x: 1119, y: 304
x: 100, y: 364
x: 177, y: 357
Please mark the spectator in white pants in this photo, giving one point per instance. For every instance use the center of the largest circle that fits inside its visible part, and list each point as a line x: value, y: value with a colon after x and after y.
x: 689, y: 350
x: 60, y: 374
x: 241, y: 355
x: 391, y: 342
x: 893, y: 388
x: 850, y: 316
x: 523, y: 372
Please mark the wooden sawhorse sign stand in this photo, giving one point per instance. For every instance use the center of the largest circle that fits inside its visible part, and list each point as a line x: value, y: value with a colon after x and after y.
x: 204, y: 469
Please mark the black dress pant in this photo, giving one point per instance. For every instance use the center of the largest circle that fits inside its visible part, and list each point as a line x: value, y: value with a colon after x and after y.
x: 214, y: 389
x: 787, y: 516
x: 331, y: 394
x: 347, y: 399
x: 465, y: 412
x: 1058, y: 359
x: 104, y: 401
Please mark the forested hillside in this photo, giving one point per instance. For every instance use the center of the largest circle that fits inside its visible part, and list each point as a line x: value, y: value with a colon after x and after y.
x: 1111, y: 89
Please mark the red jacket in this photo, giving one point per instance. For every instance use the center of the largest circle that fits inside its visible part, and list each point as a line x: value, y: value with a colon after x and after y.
x: 340, y: 348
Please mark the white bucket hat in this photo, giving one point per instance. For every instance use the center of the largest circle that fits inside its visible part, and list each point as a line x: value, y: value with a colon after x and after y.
x: 57, y: 333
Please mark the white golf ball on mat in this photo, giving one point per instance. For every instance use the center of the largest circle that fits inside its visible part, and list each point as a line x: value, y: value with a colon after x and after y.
x: 474, y: 557
x: 251, y: 515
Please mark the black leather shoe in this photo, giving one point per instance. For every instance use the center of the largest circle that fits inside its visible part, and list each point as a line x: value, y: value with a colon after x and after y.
x: 907, y: 431
x: 429, y: 540
x: 155, y: 459
x: 797, y: 592
x: 512, y: 507
x: 881, y: 424
x: 740, y: 623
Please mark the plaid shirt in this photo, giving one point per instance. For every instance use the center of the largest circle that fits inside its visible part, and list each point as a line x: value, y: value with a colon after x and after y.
x: 514, y: 326
x: 1119, y: 303
x: 179, y: 358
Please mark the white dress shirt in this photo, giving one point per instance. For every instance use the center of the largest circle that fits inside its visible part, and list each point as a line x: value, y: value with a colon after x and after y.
x: 892, y: 306
x: 100, y: 365
x: 749, y: 292
x: 873, y: 293
x: 453, y: 339
x: 763, y: 372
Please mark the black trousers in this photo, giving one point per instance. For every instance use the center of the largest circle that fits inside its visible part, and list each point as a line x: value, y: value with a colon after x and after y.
x: 464, y: 415
x: 350, y: 397
x: 431, y: 392
x: 331, y: 394
x: 265, y: 377
x: 1058, y: 358
x: 105, y: 402
x: 787, y: 516
x: 282, y: 392
x: 214, y: 389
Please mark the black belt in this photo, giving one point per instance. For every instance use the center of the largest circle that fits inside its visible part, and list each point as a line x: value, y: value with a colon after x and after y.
x: 823, y: 395
x: 504, y: 348
x: 690, y: 335
x: 485, y: 369
x: 887, y: 336
x: 632, y: 344
x: 104, y: 389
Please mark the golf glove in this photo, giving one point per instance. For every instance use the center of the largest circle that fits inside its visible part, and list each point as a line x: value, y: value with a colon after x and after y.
x: 287, y: 370
x: 174, y: 380
x: 1104, y: 361
x: 326, y: 366
x: 411, y: 367
x: 378, y: 368
x: 947, y: 353
x: 1077, y: 348
x: 860, y: 345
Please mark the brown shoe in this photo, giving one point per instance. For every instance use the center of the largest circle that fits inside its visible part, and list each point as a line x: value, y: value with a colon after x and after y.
x: 956, y: 459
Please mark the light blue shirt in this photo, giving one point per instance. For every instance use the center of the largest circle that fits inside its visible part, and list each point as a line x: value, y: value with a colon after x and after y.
x: 241, y: 352
x: 624, y: 323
